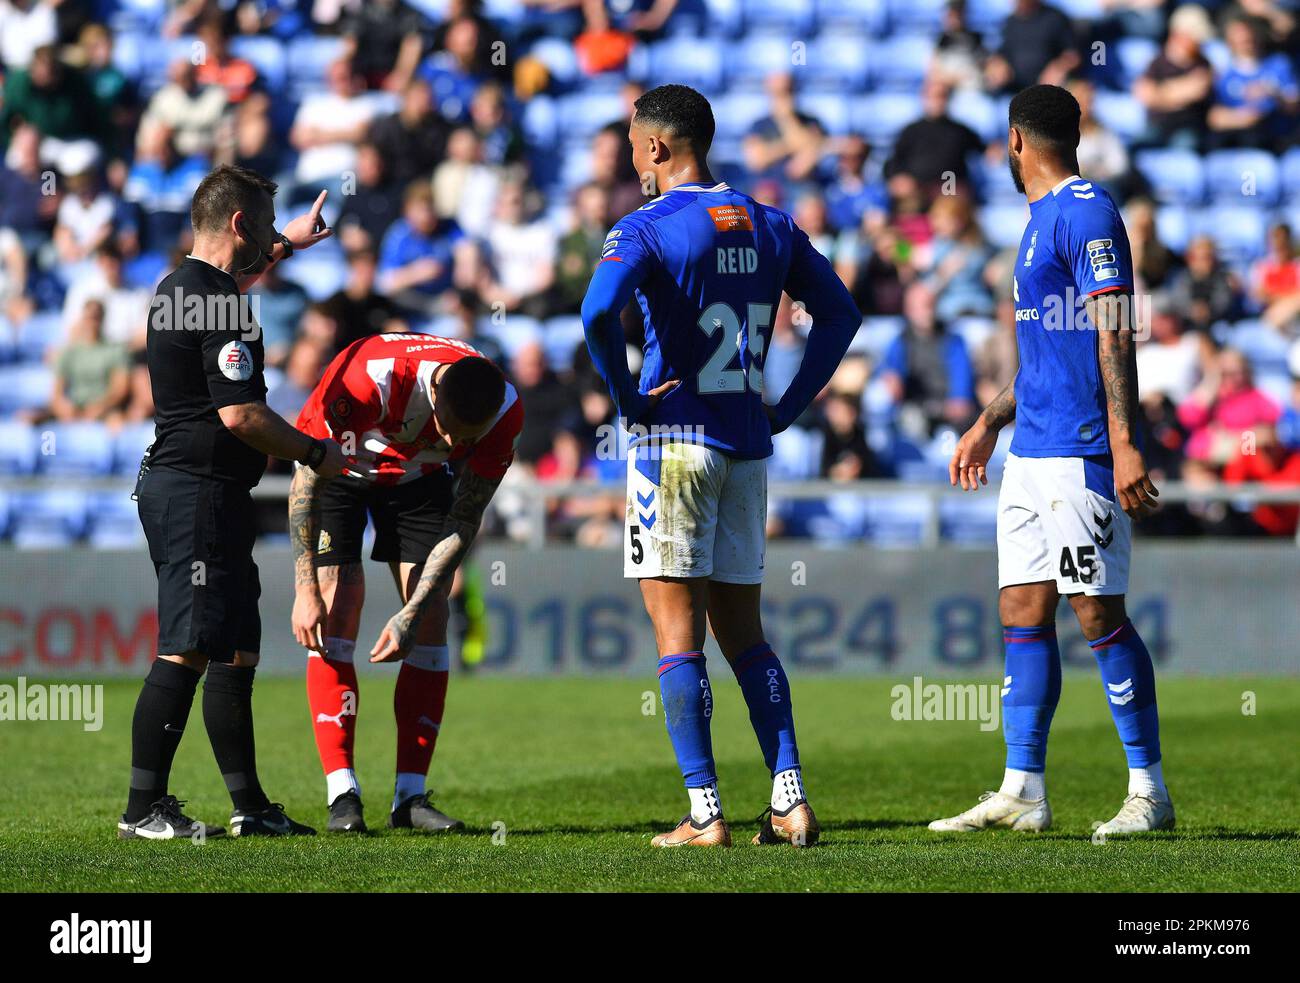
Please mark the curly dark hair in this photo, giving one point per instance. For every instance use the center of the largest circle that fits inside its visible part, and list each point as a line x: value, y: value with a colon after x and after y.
x: 680, y: 110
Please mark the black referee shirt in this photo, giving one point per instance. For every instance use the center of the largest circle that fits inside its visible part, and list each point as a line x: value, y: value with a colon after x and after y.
x: 205, y: 352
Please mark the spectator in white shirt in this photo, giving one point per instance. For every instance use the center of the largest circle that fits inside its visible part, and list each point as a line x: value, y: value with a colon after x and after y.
x: 25, y: 25
x: 330, y: 124
x: 190, y: 110
x: 520, y: 255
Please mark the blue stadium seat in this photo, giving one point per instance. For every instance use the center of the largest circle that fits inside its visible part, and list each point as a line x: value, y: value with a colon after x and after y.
x: 1087, y: 10
x: 129, y: 447
x: 113, y: 520
x: 737, y: 111
x: 1003, y: 224
x: 512, y: 332
x: 25, y: 387
x: 1238, y: 230
x: 561, y: 337
x: 969, y: 520
x: 916, y: 15
x: 128, y: 53
x: 974, y: 331
x: 796, y: 455
x: 1290, y: 169
x: 40, y: 333
x: 583, y: 113
x: 901, y: 61
x: 690, y: 61
x: 540, y: 121
x: 1174, y: 225
x: 559, y: 58
x: 995, y: 184
x: 267, y: 55
x: 320, y: 276
x: 1120, y: 113
x: 986, y: 16
x: 1132, y: 56
x: 77, y: 449
x: 877, y: 333
x: 1243, y: 177
x: 49, y: 518
x: 871, y: 16
x: 1263, y: 345
x: 981, y: 113
x: 161, y: 53
x: 757, y: 57
x: 881, y: 115
x: 796, y: 16
x: 896, y: 521
x: 307, y: 57
x: 830, y: 109
x: 6, y: 513
x: 19, y: 448
x: 1176, y: 176
x: 839, y: 58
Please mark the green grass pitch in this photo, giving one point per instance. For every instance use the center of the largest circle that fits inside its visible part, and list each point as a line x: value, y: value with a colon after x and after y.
x: 575, y: 779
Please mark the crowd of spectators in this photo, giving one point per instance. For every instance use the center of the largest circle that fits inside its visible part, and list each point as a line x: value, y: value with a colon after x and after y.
x: 475, y: 156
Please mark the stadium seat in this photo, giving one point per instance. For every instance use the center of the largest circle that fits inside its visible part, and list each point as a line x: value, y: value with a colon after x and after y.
x: 561, y: 337
x: 987, y: 16
x: 1174, y: 225
x: 737, y: 111
x: 839, y: 58
x: 969, y: 520
x: 559, y: 58
x: 829, y: 108
x: 896, y: 521
x: 307, y: 58
x: 511, y: 332
x: 25, y: 387
x: 82, y: 449
x: 1290, y: 174
x: 1176, y: 176
x: 1265, y: 348
x: 980, y: 113
x: 583, y: 113
x: 1082, y: 10
x: 1132, y: 56
x: 871, y: 16
x: 876, y: 334
x: 129, y: 446
x: 320, y: 276
x: 796, y: 455
x: 690, y: 61
x: 540, y: 121
x: 1120, y: 113
x: 114, y: 522
x: 974, y: 331
x: 1238, y: 230
x: 901, y: 61
x: 757, y: 57
x: 1003, y: 224
x: 35, y: 337
x: 880, y: 116
x: 1243, y: 177
x: 19, y: 447
x: 267, y: 55
x: 796, y: 16
x: 6, y: 513
x: 50, y: 518
x: 916, y: 15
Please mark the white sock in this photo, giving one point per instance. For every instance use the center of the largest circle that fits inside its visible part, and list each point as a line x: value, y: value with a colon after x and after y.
x: 1024, y: 784
x: 705, y: 803
x: 787, y: 789
x: 1148, y: 782
x: 338, y: 781
x: 409, y: 783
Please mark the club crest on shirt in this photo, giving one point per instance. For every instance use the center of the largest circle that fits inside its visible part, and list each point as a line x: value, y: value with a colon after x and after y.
x: 342, y: 408
x: 235, y: 362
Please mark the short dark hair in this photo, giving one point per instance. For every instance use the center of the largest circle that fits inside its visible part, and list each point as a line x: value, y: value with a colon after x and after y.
x: 1049, y: 116
x: 680, y: 110
x: 473, y: 389
x: 227, y: 189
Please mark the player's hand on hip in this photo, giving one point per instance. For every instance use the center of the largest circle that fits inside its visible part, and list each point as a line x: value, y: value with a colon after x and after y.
x: 308, y: 620
x: 308, y: 228
x: 334, y: 463
x: 970, y: 458
x: 396, y: 639
x: 1134, y: 488
x: 653, y: 397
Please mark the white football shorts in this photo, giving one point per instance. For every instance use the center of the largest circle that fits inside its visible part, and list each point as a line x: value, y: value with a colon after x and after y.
x: 1058, y: 520
x: 692, y: 511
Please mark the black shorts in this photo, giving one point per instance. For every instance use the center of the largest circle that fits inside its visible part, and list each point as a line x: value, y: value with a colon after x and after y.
x: 201, y: 533
x: 408, y: 519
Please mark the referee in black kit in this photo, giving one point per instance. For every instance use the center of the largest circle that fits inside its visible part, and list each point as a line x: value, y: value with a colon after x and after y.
x: 213, y: 434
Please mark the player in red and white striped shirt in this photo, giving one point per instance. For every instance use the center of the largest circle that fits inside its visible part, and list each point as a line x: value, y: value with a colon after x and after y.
x: 405, y: 408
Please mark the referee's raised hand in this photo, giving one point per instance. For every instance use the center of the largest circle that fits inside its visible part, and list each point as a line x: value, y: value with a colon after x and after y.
x: 308, y: 228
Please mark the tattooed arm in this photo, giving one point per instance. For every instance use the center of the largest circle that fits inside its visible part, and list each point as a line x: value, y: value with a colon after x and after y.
x: 970, y: 458
x: 1117, y: 359
x: 309, y: 613
x: 472, y: 496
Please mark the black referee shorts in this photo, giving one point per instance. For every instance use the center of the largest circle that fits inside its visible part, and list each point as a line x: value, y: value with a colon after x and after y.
x: 408, y: 518
x: 201, y: 533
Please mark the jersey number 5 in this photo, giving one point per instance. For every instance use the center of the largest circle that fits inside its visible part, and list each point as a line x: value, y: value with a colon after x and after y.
x: 715, y: 377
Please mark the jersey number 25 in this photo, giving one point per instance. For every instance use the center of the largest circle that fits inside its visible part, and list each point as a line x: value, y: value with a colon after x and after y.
x: 715, y: 377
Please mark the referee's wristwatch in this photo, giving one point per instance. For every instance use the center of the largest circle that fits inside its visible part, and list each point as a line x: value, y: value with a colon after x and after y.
x: 315, y: 454
x: 288, y: 246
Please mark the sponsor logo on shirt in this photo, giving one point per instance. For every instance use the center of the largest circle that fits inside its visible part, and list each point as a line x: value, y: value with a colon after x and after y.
x: 731, y: 218
x: 235, y: 362
x: 1102, y: 258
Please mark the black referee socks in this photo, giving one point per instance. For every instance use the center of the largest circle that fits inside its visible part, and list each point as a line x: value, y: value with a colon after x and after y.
x: 160, y: 715
x: 228, y: 716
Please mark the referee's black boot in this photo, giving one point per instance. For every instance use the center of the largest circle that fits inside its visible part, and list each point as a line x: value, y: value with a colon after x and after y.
x: 166, y: 822
x: 345, y: 814
x: 270, y: 821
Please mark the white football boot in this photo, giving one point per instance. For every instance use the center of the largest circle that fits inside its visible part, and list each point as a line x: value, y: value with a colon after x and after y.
x: 1139, y: 814
x: 997, y: 809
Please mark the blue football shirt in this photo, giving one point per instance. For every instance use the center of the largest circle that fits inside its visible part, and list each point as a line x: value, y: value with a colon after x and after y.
x: 1074, y: 247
